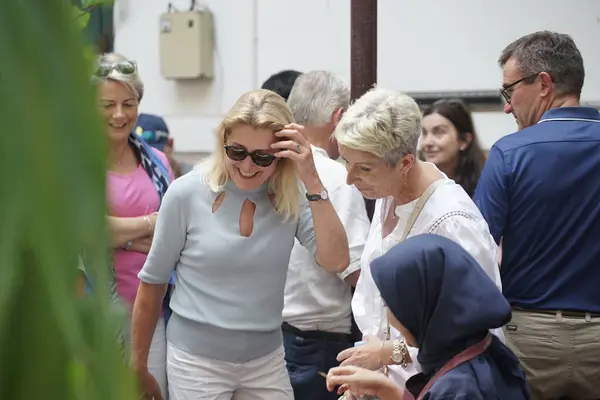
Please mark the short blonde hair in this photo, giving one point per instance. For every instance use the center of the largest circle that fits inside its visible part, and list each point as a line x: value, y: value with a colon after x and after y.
x: 260, y: 109
x: 131, y: 81
x: 383, y: 122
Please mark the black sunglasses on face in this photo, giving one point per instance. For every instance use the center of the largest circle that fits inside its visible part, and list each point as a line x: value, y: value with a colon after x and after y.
x: 259, y: 157
x: 508, y: 90
x: 125, y: 67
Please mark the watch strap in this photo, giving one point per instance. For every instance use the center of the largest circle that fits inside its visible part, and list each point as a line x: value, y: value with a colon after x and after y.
x: 314, y: 197
x: 322, y: 195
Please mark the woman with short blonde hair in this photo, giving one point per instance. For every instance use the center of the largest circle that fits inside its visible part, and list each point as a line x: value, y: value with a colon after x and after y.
x: 227, y: 229
x: 378, y: 138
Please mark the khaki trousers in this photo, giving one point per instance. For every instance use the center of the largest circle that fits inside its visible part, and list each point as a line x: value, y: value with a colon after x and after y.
x: 559, y: 354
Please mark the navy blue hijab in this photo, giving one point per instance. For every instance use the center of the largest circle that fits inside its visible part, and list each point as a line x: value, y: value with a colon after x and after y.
x: 440, y: 293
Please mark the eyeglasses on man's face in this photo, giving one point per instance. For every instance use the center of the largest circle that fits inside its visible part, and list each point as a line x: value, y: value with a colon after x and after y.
x: 508, y: 90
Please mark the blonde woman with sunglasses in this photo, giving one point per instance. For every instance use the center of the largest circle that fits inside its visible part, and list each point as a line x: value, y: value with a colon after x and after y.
x: 227, y: 230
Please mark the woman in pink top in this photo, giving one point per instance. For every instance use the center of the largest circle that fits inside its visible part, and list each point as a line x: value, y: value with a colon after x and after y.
x: 138, y: 177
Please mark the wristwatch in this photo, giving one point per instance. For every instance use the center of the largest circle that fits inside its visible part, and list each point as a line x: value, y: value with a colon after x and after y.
x: 400, y: 352
x: 322, y: 195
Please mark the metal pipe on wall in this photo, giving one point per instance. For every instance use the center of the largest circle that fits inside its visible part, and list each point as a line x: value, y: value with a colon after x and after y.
x: 363, y: 55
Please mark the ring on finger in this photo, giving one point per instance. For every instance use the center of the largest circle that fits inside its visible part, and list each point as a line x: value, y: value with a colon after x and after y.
x: 297, y: 148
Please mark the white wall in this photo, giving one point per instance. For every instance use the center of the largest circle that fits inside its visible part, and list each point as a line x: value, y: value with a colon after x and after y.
x: 423, y: 45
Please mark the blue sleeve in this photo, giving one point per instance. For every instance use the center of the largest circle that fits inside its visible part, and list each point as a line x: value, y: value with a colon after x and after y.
x: 170, y: 234
x: 453, y: 396
x: 458, y: 384
x: 491, y: 196
x: 305, y: 230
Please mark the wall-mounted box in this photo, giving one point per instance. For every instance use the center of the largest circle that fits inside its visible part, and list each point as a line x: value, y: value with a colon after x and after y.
x: 186, y: 45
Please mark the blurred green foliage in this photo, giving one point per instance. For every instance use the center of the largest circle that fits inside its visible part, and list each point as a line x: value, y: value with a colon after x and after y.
x: 53, y: 344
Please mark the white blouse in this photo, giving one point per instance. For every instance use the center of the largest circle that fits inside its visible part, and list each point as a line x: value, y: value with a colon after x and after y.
x: 449, y: 212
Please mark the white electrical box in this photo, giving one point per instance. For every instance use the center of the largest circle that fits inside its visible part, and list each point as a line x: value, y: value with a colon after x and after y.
x: 186, y: 45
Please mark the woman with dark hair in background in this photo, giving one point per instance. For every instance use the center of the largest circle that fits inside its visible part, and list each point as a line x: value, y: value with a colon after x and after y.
x: 449, y: 141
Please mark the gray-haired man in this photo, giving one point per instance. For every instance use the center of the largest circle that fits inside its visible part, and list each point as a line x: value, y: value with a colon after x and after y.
x: 539, y: 193
x: 317, y: 311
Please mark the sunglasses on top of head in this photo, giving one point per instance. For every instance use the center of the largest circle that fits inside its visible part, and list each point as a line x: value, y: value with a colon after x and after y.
x: 259, y: 157
x: 124, y: 67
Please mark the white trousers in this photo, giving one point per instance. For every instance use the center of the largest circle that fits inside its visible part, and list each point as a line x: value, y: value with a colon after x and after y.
x: 197, y: 378
x: 157, y: 357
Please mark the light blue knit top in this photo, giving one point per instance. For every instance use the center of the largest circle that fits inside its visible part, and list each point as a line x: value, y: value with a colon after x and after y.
x: 228, y: 296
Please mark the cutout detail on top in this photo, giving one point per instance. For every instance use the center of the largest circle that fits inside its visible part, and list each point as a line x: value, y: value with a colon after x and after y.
x: 247, y: 218
x: 218, y: 201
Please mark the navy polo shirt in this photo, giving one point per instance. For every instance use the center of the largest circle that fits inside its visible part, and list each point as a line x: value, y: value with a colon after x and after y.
x: 540, y: 192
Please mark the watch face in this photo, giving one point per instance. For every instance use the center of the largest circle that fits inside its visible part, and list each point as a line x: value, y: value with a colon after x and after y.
x: 396, y: 352
x: 322, y: 195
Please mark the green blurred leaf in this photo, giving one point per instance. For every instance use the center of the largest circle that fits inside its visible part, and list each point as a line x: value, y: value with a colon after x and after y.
x: 52, y: 208
x: 82, y: 18
x: 92, y: 3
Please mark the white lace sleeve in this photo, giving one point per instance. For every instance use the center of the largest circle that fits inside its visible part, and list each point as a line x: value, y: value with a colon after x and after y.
x: 473, y: 235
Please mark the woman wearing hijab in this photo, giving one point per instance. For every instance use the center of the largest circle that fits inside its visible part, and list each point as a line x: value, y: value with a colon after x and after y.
x: 444, y: 304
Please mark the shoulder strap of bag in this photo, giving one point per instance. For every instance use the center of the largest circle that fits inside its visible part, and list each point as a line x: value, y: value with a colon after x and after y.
x: 414, y: 215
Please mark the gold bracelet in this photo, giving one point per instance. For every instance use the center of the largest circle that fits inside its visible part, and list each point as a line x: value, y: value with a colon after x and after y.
x: 385, y: 367
x: 403, y: 350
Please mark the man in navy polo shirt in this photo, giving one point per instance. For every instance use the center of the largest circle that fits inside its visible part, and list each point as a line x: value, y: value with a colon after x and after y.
x: 540, y: 194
